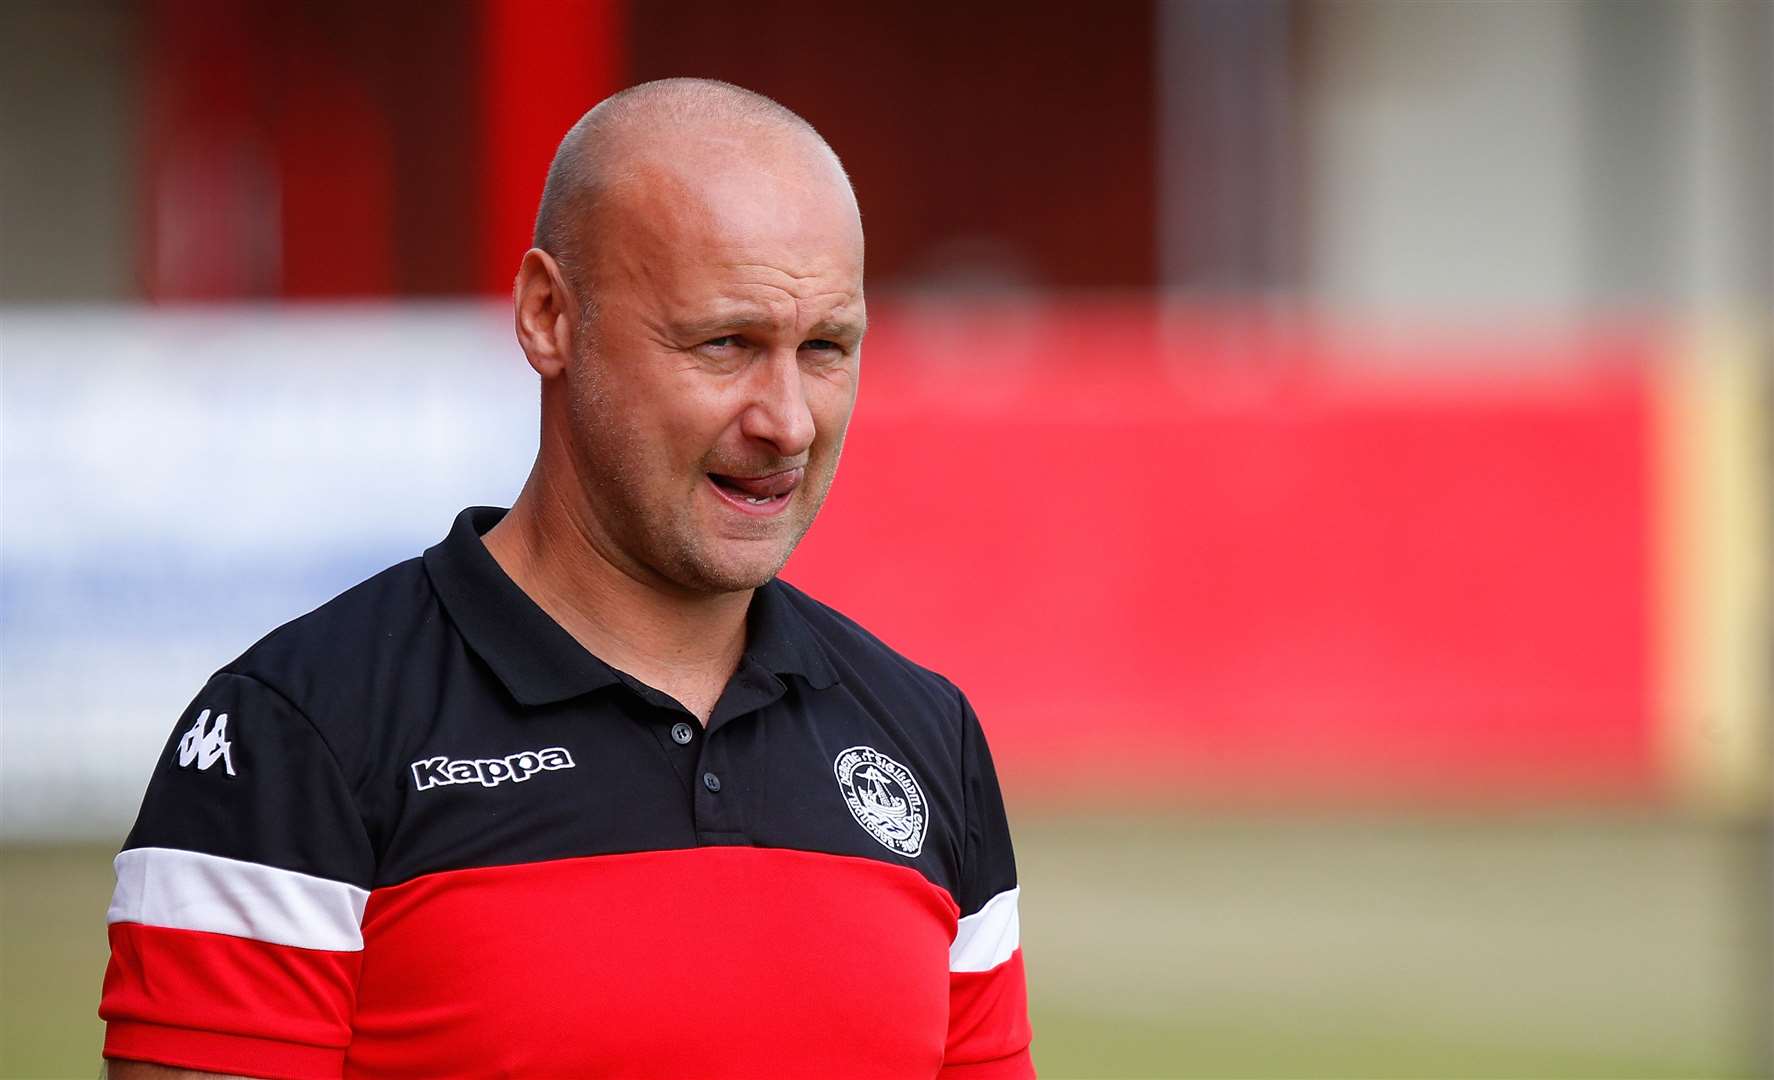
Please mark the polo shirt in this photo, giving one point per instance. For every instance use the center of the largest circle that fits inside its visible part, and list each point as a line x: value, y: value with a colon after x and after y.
x: 422, y: 831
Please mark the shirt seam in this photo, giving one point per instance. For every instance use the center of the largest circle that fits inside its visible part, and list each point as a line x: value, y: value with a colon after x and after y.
x: 894, y: 868
x: 331, y: 753
x: 966, y: 807
x: 126, y: 1022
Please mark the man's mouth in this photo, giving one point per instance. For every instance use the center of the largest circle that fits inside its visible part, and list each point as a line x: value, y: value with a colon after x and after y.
x: 758, y: 493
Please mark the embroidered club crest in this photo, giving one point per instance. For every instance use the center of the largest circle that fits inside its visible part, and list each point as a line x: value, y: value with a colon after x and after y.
x: 884, y: 798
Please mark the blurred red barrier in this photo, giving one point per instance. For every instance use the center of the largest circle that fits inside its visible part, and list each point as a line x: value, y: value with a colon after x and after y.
x: 543, y: 63
x: 1311, y: 573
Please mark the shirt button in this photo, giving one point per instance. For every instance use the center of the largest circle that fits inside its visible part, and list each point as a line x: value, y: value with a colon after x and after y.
x: 681, y: 734
x: 711, y: 781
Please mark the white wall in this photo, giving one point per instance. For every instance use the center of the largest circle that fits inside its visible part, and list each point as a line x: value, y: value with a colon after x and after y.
x: 1494, y: 162
x: 176, y: 484
x: 1443, y: 159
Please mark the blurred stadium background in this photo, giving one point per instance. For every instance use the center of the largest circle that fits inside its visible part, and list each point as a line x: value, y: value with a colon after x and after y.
x: 1329, y: 440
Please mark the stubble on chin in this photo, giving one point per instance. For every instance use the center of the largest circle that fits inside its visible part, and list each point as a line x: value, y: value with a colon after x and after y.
x: 668, y: 535
x: 719, y: 564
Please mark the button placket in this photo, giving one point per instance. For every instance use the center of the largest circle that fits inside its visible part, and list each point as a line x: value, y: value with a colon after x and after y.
x: 723, y: 798
x: 719, y: 795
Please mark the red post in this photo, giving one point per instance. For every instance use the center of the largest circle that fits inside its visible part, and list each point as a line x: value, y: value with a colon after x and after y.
x: 544, y: 63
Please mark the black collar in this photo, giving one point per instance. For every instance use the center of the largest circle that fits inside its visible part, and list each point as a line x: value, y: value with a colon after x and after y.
x: 540, y: 663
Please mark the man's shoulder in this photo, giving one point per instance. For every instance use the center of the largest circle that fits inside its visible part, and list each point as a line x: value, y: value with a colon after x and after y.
x: 349, y: 646
x: 855, y: 648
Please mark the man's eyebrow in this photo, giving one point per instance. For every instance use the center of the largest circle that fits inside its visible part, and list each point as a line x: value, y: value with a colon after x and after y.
x: 717, y: 325
x: 841, y: 328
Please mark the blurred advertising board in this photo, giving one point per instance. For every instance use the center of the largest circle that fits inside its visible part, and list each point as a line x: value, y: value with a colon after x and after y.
x: 1173, y: 555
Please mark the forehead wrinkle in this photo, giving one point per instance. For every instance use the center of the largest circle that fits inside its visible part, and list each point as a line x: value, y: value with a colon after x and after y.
x: 767, y: 297
x: 790, y: 274
x: 708, y: 257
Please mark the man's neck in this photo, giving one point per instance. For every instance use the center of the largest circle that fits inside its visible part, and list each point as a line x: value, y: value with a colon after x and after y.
x: 687, y: 645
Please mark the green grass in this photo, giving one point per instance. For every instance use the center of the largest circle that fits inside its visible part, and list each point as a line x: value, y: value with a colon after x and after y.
x: 52, y: 959
x: 1171, y: 945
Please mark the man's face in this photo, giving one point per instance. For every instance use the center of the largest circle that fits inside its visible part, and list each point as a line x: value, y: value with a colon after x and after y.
x: 715, y: 378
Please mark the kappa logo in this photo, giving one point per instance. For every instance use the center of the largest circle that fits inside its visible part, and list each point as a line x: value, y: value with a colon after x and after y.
x: 488, y: 772
x: 884, y: 798
x: 204, y: 748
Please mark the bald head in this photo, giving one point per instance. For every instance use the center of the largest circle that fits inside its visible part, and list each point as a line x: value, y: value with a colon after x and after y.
x: 676, y: 126
x: 695, y: 308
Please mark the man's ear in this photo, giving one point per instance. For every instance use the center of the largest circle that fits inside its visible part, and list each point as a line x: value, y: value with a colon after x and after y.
x: 546, y: 311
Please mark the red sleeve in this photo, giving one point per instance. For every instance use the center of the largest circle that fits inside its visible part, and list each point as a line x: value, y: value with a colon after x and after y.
x: 989, y: 1024
x: 236, y: 924
x: 219, y: 1003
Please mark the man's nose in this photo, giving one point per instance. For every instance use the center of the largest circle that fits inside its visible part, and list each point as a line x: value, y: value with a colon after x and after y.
x: 778, y: 413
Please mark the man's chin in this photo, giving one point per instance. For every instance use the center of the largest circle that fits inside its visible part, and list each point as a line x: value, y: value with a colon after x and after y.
x: 737, y: 566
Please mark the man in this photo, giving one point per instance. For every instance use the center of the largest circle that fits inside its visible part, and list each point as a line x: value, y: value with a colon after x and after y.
x: 585, y: 791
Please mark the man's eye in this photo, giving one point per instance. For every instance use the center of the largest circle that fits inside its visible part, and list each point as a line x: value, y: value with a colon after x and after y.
x: 725, y: 341
x: 822, y: 345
